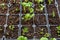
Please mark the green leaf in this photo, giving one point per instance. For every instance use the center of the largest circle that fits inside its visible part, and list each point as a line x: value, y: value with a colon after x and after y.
x: 53, y: 14
x: 52, y: 38
x: 38, y: 1
x: 44, y: 38
x: 22, y: 38
x: 58, y: 27
x: 25, y: 29
x: 31, y: 10
x: 11, y: 27
x: 47, y: 35
x: 50, y: 1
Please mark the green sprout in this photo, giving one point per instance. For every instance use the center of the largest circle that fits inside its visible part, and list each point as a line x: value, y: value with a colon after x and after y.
x: 22, y: 38
x: 39, y: 1
x: 28, y: 16
x: 53, y: 13
x: 24, y: 4
x: 1, y: 28
x: 47, y: 35
x: 41, y: 7
x: 41, y: 32
x: 43, y: 38
x: 58, y: 30
x: 31, y: 10
x: 52, y: 38
x: 25, y: 29
x: 3, y: 6
x: 50, y: 1
x: 11, y: 27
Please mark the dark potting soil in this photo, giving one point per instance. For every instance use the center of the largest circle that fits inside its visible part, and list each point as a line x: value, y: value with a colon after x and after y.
x: 2, y: 19
x: 14, y: 9
x: 40, y: 20
x: 11, y: 33
x: 59, y: 8
x: 1, y: 31
x: 4, y: 1
x: 13, y: 20
x: 54, y: 32
x: 15, y: 2
x: 53, y: 20
x: 51, y: 8
x: 30, y: 33
x: 38, y: 31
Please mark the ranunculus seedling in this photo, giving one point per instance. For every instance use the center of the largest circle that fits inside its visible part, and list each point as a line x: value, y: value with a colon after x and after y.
x: 52, y: 38
x: 28, y: 4
x: 47, y: 35
x: 31, y: 10
x: 11, y: 27
x: 40, y: 8
x: 22, y: 38
x: 53, y: 13
x: 58, y: 30
x: 3, y: 6
x: 43, y: 38
x: 28, y: 16
x: 39, y: 1
x: 50, y: 1
x: 25, y: 29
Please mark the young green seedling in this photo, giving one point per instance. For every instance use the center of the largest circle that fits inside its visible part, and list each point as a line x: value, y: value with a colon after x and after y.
x: 39, y: 1
x: 22, y: 38
x: 31, y: 10
x: 43, y: 38
x: 11, y: 27
x: 58, y: 30
x: 25, y: 29
x: 42, y: 31
x: 28, y: 16
x: 50, y: 1
x: 3, y: 6
x: 47, y: 35
x: 52, y: 38
x: 28, y: 4
x: 53, y: 13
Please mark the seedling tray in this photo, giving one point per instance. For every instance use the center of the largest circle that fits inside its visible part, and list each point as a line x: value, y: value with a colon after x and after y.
x: 40, y: 20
